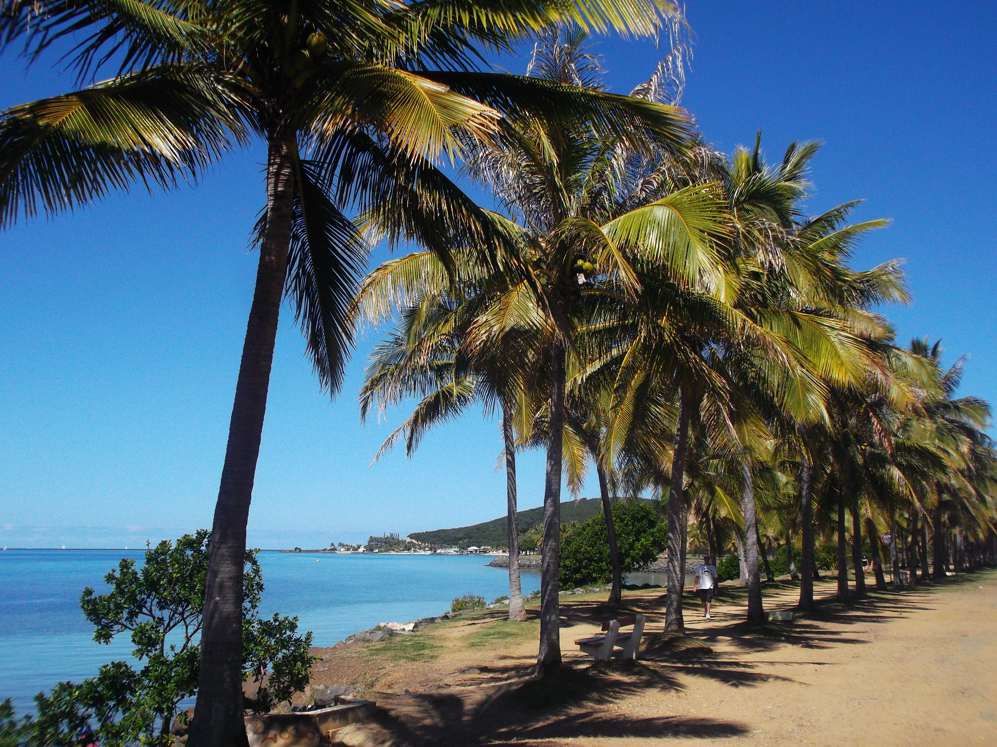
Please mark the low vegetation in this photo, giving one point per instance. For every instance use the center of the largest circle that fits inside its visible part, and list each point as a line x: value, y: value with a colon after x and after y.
x: 157, y: 605
x: 467, y: 602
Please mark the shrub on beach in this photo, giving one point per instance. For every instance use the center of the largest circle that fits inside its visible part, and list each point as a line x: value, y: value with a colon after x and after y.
x: 728, y: 568
x: 158, y: 605
x: 640, y: 534
x: 467, y: 602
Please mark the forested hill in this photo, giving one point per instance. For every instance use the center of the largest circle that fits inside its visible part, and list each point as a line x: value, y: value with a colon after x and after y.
x: 492, y: 533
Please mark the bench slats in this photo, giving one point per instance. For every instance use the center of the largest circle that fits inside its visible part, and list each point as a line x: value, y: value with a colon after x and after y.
x: 601, y: 647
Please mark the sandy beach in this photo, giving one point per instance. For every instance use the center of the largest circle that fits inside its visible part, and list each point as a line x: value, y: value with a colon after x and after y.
x: 915, y: 667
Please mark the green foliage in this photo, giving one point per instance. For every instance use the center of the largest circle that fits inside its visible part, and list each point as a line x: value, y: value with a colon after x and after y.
x: 640, y: 533
x: 826, y: 556
x: 779, y: 561
x: 530, y: 541
x: 13, y: 730
x: 467, y: 602
x: 728, y: 568
x: 158, y: 605
x: 277, y: 658
x: 390, y: 543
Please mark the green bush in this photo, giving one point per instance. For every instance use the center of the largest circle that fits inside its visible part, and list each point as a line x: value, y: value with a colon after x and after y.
x: 640, y: 533
x: 779, y: 561
x: 467, y: 602
x: 826, y: 557
x: 158, y: 606
x: 728, y: 568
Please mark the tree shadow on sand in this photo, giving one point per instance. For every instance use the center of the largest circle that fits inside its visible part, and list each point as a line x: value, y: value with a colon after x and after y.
x: 512, y: 704
x: 502, y: 703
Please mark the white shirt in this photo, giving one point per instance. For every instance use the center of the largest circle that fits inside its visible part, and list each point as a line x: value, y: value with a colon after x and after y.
x: 705, y: 575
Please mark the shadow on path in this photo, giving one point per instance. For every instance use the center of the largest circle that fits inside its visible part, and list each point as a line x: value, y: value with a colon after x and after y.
x: 502, y: 703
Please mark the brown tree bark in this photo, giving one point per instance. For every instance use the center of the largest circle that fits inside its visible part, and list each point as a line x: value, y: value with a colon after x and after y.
x: 516, y: 610
x: 938, y: 541
x: 756, y: 612
x: 549, y: 655
x: 853, y: 507
x: 218, y: 718
x: 711, y: 537
x: 877, y: 556
x: 616, y: 590
x: 676, y: 515
x: 763, y: 551
x: 808, y: 562
x: 895, y: 542
x: 842, y: 553
x: 616, y: 565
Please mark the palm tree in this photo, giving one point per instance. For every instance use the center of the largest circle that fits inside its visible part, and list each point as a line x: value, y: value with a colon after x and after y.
x: 354, y: 101
x: 563, y: 188
x: 424, y: 356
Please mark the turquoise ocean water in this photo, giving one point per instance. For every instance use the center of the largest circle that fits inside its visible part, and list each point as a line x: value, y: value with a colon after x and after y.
x: 45, y: 639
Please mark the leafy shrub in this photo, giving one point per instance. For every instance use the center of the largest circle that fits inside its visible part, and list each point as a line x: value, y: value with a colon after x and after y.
x: 779, y: 561
x: 467, y: 602
x: 640, y: 534
x: 826, y: 557
x: 728, y: 568
x: 158, y: 605
x: 530, y: 541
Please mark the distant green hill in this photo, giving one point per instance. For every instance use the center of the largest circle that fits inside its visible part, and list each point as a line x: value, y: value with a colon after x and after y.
x: 492, y: 533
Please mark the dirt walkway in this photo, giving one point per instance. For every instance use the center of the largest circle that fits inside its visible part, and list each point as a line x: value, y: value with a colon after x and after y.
x: 919, y: 667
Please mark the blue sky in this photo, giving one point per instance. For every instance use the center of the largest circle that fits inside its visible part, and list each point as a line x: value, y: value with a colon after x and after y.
x: 121, y: 325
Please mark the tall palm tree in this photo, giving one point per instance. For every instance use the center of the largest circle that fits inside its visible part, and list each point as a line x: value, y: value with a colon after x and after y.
x: 425, y: 356
x: 353, y: 101
x: 562, y: 187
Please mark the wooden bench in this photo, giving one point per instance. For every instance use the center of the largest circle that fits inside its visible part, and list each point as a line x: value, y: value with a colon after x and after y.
x: 603, y: 647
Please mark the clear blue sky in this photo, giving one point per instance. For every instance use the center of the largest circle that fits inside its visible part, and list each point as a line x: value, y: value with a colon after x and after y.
x: 121, y: 325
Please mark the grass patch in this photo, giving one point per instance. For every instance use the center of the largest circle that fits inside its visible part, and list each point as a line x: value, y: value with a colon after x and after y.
x: 502, y: 631
x: 406, y: 647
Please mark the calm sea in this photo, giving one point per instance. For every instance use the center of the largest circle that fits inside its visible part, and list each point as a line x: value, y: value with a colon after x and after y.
x: 44, y: 638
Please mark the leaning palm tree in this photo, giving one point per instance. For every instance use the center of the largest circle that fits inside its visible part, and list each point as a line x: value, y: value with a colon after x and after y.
x: 354, y: 102
x: 424, y: 356
x: 558, y: 184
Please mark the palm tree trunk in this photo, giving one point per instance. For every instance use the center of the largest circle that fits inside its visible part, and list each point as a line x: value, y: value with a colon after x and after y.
x: 756, y: 613
x: 842, y: 553
x: 938, y: 542
x: 516, y: 609
x: 877, y: 556
x: 742, y: 563
x: 218, y: 715
x: 895, y: 549
x: 807, y: 560
x: 549, y: 656
x: 764, y: 553
x: 711, y: 536
x: 794, y: 572
x: 676, y: 514
x: 912, y: 553
x: 853, y: 507
x: 925, y: 570
x: 616, y: 566
x: 616, y: 591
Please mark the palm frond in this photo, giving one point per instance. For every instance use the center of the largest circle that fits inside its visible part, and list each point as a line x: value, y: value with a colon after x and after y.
x: 155, y: 127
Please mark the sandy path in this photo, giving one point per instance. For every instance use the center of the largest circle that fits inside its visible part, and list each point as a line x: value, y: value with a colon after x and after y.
x: 913, y: 668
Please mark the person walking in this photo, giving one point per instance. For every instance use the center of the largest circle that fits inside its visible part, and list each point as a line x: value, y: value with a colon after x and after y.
x: 706, y: 583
